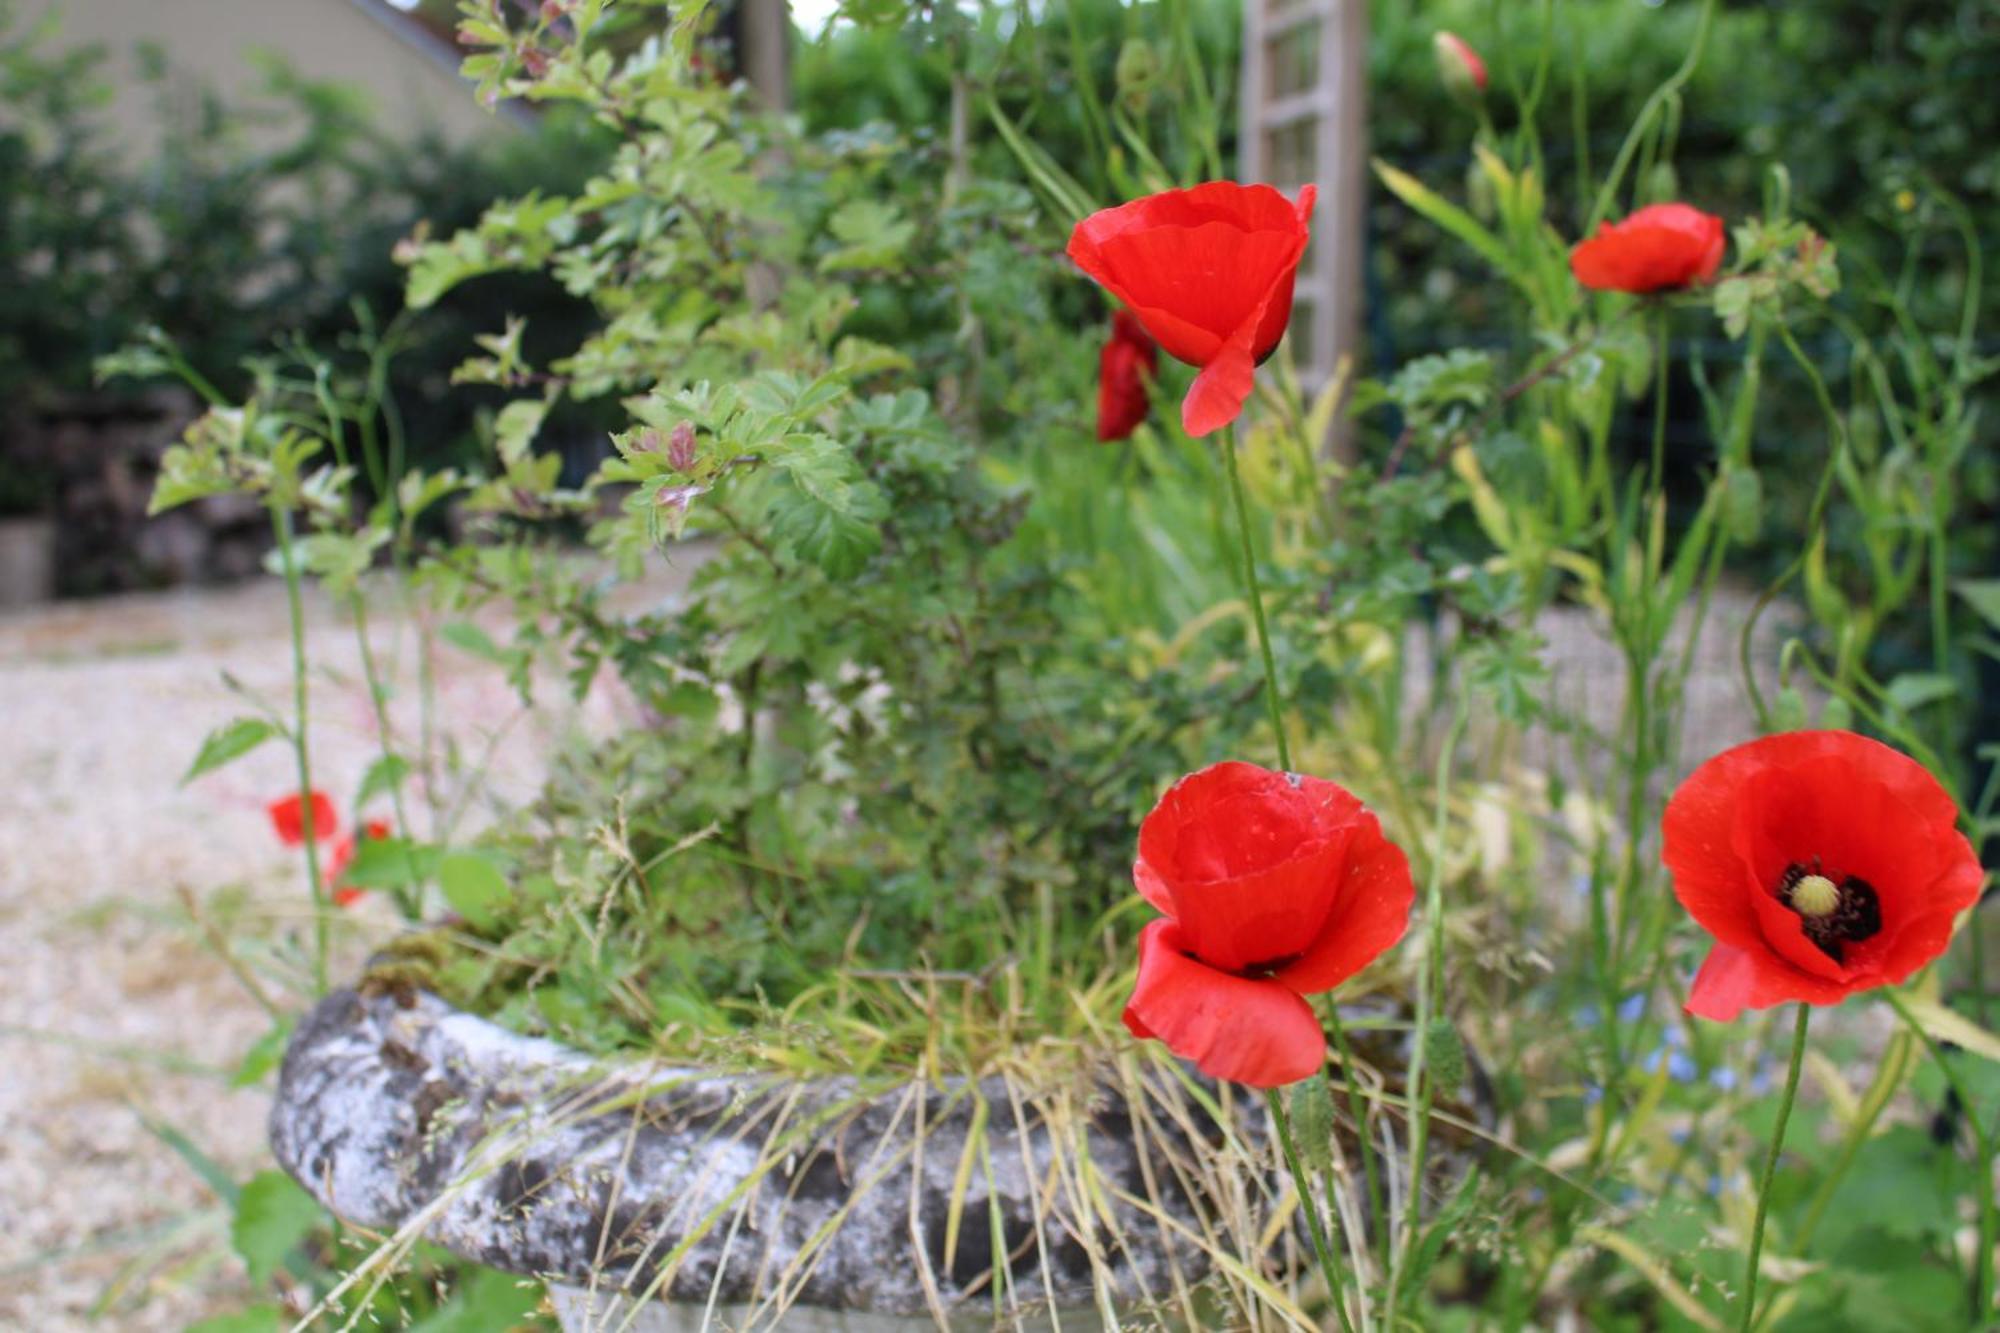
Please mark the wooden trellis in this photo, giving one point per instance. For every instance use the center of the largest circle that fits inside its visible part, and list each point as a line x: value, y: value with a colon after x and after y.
x: 1303, y: 120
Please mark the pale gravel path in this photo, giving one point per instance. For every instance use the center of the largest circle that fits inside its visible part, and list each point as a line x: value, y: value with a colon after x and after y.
x: 103, y: 985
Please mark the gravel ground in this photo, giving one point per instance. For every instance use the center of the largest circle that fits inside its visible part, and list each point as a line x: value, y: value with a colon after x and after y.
x: 112, y: 1012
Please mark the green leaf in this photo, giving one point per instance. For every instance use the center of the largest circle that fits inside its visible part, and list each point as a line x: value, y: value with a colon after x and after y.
x: 1913, y: 689
x: 473, y: 885
x: 390, y: 863
x: 1949, y: 1025
x: 382, y: 778
x: 1312, y: 1122
x: 825, y: 513
x: 228, y: 742
x: 485, y: 1302
x: 1447, y: 215
x: 1983, y: 596
x: 469, y: 638
x: 272, y: 1216
x: 262, y: 1057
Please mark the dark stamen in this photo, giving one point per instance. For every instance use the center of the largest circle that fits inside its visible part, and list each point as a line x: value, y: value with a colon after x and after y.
x: 1856, y: 914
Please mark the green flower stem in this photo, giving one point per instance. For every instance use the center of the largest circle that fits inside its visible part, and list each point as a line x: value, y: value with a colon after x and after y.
x: 281, y: 522
x: 1749, y: 1313
x: 1430, y: 990
x: 1989, y: 1208
x: 1358, y: 1111
x: 1255, y: 593
x: 408, y: 897
x: 1281, y: 1125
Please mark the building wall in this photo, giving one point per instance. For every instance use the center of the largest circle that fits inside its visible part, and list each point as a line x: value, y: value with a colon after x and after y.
x: 409, y: 74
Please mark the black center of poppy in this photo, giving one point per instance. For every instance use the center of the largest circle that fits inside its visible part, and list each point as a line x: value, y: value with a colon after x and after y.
x: 1854, y: 915
x: 1269, y: 967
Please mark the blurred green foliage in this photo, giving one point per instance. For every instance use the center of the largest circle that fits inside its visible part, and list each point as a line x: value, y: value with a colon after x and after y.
x: 257, y: 225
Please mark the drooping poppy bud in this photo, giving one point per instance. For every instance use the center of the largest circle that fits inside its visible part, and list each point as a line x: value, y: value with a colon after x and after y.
x: 1275, y: 887
x: 1124, y: 367
x: 1658, y: 248
x: 1822, y: 862
x: 288, y: 818
x: 1460, y: 69
x: 1208, y: 272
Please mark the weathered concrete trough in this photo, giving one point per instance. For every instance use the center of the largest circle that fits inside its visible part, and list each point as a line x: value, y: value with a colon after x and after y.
x: 629, y: 1184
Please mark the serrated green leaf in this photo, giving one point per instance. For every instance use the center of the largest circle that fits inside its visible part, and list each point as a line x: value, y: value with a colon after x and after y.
x: 229, y: 742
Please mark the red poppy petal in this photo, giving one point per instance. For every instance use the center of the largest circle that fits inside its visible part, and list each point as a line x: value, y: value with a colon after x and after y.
x: 1372, y: 913
x: 1247, y: 860
x: 1217, y: 395
x: 1732, y: 980
x: 1216, y: 276
x: 347, y: 897
x: 338, y: 858
x: 1152, y: 888
x: 288, y: 818
x: 1253, y: 1032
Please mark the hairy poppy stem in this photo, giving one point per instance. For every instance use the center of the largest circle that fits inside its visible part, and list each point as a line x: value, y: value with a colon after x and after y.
x: 1749, y: 1314
x: 1256, y: 595
x: 1281, y: 1124
x: 288, y: 557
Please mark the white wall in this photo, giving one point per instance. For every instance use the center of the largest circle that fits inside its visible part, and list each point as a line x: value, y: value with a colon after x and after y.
x: 411, y: 77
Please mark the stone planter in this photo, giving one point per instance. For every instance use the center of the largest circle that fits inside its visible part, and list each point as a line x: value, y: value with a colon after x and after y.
x: 794, y: 1203
x: 657, y: 1199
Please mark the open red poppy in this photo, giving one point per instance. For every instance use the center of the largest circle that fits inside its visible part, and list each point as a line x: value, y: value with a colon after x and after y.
x: 288, y: 818
x: 1209, y: 273
x: 1127, y: 362
x: 1822, y: 862
x: 1275, y: 887
x: 1658, y: 248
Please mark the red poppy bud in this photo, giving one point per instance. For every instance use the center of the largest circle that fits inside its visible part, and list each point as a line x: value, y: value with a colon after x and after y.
x: 1208, y: 272
x: 1658, y: 248
x: 1459, y: 66
x: 288, y: 818
x: 347, y: 896
x: 1822, y: 862
x: 376, y: 830
x: 1129, y: 359
x: 1275, y: 887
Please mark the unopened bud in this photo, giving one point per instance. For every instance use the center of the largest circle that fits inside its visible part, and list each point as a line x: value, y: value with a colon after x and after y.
x: 553, y: 10
x: 1459, y: 66
x: 1445, y: 1052
x: 535, y: 60
x: 680, y: 447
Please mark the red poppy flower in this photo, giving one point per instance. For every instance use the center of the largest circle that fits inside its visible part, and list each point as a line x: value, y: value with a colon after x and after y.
x: 288, y: 817
x: 375, y: 830
x: 1127, y: 362
x: 1463, y: 72
x: 1209, y: 273
x: 1656, y: 249
x: 1275, y: 887
x: 1822, y: 862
